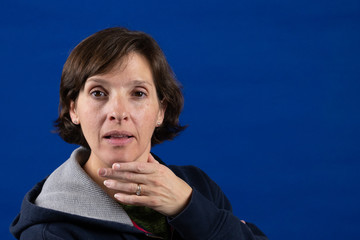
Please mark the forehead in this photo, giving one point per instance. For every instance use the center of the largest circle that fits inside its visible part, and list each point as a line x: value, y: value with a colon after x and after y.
x: 134, y: 67
x: 133, y: 62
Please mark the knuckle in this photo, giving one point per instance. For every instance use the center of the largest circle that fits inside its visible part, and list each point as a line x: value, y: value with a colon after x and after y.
x: 132, y: 188
x: 135, y: 200
x: 154, y: 202
x: 129, y: 176
x: 157, y: 182
x: 130, y: 200
x: 162, y: 170
x: 140, y: 167
x: 111, y: 173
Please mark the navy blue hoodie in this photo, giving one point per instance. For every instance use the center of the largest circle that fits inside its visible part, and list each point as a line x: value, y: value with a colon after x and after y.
x: 207, y: 216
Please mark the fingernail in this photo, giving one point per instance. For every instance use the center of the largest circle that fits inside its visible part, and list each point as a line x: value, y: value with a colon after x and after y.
x: 116, y: 166
x: 117, y: 196
x: 107, y: 183
x: 102, y: 172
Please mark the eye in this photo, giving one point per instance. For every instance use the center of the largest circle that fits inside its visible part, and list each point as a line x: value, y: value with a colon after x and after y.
x: 139, y: 94
x: 97, y: 94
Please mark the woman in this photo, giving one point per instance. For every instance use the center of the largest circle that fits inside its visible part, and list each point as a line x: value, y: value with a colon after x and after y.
x: 118, y: 98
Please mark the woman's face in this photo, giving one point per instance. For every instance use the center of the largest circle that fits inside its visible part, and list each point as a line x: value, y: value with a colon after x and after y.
x: 118, y: 112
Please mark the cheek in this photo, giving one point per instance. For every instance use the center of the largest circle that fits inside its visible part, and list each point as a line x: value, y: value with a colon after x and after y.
x: 90, y: 119
x: 147, y: 115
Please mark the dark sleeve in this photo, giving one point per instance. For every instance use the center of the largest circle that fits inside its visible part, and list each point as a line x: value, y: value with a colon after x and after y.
x: 209, y: 214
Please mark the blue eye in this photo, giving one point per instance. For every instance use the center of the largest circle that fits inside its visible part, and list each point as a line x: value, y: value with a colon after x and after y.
x: 98, y: 94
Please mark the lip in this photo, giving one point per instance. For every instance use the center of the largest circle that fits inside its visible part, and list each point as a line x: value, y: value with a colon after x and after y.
x: 118, y: 138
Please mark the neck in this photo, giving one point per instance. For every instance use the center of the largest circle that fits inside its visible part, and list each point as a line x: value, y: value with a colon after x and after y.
x: 93, y: 164
x: 92, y: 168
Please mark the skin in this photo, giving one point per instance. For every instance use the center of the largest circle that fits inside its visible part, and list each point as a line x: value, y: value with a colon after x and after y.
x: 118, y: 112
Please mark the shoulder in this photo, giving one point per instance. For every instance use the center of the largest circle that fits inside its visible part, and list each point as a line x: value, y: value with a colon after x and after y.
x: 202, y: 183
x: 190, y: 173
x: 193, y: 175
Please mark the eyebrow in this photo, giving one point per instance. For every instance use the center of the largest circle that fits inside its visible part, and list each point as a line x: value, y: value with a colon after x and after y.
x: 131, y: 82
x: 95, y: 79
x: 140, y: 82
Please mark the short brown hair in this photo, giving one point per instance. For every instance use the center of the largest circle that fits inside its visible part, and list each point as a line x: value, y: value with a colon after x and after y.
x: 98, y: 54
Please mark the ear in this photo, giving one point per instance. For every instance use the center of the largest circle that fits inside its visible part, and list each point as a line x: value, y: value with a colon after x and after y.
x: 73, y: 115
x: 161, y: 114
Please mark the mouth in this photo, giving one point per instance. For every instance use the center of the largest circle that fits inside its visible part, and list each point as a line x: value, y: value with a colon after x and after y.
x: 118, y: 138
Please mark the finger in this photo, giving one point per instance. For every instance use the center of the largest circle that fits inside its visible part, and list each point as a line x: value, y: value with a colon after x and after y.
x: 136, y: 167
x: 107, y: 172
x: 137, y: 200
x: 129, y: 199
x: 126, y: 177
x: 129, y: 188
x: 103, y: 172
x: 124, y: 167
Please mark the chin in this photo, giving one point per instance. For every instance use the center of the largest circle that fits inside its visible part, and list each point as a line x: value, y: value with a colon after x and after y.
x: 117, y: 156
x: 115, y: 159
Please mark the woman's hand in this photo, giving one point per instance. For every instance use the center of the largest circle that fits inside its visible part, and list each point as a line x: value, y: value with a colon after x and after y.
x: 161, y: 189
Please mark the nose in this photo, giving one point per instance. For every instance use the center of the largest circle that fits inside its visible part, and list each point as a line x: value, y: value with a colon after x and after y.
x: 117, y: 116
x: 118, y: 110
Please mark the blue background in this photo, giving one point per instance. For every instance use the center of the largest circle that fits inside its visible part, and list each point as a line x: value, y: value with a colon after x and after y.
x: 271, y: 98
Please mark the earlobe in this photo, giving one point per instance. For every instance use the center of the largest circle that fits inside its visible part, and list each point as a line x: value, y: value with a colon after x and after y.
x: 73, y: 115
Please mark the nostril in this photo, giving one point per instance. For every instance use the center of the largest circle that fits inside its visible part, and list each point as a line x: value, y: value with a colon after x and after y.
x: 118, y: 116
x: 124, y: 115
